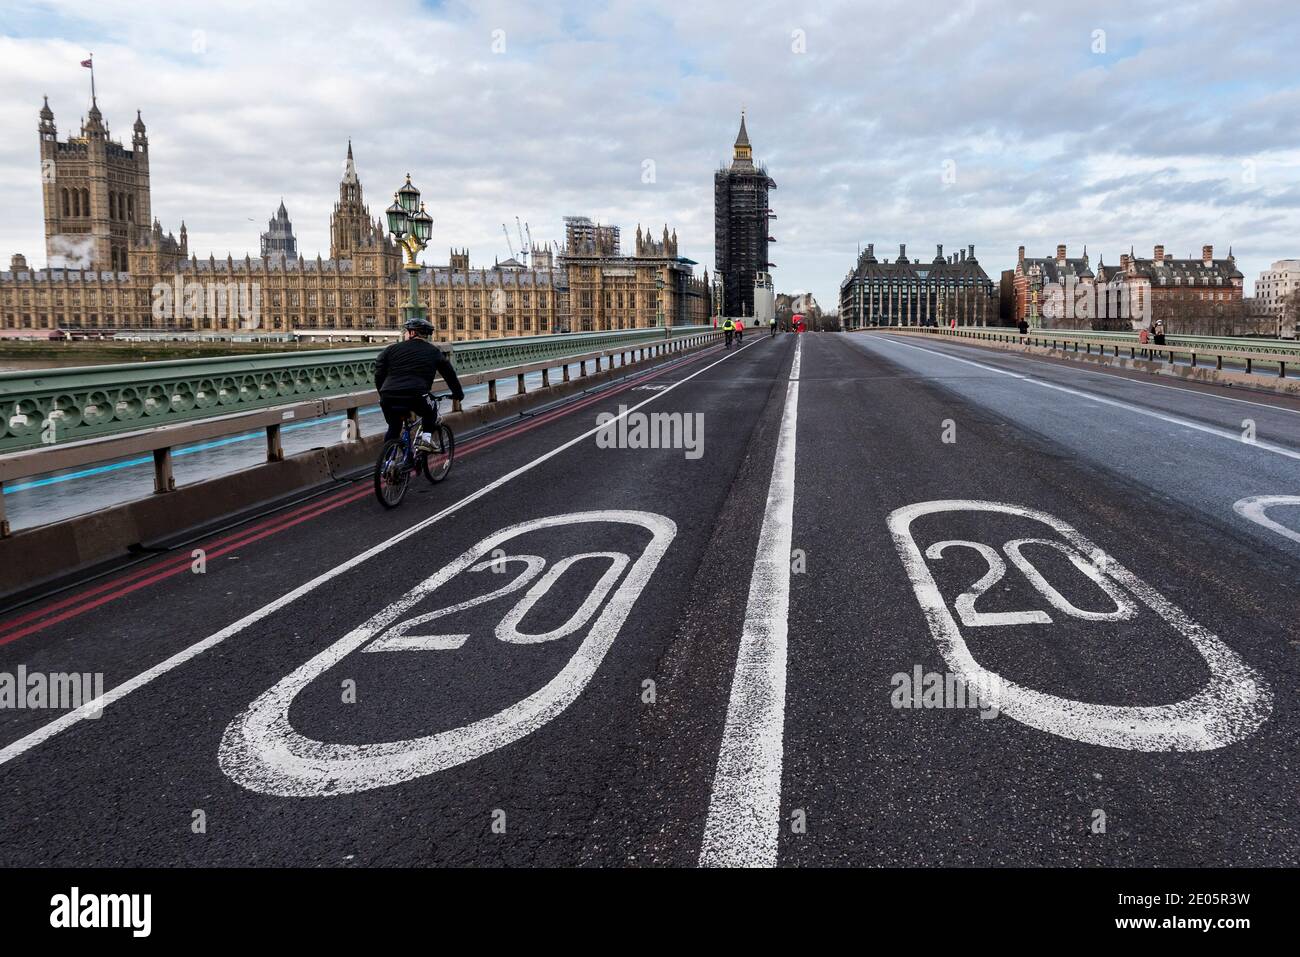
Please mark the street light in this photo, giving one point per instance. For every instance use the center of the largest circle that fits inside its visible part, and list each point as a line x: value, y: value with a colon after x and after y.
x: 412, y: 227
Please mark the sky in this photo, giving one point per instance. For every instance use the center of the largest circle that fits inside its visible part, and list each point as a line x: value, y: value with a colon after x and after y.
x: 998, y: 124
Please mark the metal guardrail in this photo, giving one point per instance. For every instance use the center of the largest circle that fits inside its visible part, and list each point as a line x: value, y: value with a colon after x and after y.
x: 159, y: 439
x: 1065, y: 342
x: 52, y: 406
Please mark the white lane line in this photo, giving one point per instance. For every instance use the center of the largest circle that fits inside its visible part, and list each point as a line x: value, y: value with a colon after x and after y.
x: 93, y: 708
x: 745, y: 809
x: 1255, y: 507
x: 1031, y: 357
x: 1129, y: 407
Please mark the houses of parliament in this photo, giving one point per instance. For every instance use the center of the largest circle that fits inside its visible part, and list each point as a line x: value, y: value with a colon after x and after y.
x: 106, y: 254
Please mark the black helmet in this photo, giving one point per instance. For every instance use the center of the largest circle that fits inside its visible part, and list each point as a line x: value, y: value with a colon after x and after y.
x: 420, y: 326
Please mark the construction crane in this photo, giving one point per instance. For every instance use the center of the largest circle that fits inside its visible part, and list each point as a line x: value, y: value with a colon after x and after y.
x: 509, y: 242
x: 523, y: 250
x: 529, y: 230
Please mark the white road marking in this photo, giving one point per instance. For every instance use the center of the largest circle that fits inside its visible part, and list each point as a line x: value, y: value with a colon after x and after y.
x: 92, y: 709
x: 1150, y: 413
x: 1255, y: 507
x: 1152, y: 385
x: 262, y: 751
x: 745, y: 809
x: 1231, y: 705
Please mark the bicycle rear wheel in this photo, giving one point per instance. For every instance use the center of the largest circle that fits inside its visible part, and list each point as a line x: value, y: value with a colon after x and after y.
x: 437, y: 464
x: 391, y: 474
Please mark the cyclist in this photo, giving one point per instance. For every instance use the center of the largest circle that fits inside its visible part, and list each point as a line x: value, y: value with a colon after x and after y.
x: 404, y: 374
x: 740, y: 331
x: 729, y: 330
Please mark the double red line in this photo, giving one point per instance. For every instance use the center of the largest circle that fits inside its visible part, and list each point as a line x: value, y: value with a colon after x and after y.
x: 119, y: 586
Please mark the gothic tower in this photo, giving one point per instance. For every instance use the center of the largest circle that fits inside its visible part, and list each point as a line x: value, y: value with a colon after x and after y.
x: 95, y: 193
x: 278, y: 241
x: 740, y: 225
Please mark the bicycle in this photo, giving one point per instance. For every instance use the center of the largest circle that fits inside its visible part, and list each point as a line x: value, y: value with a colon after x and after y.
x: 728, y: 335
x: 399, y: 459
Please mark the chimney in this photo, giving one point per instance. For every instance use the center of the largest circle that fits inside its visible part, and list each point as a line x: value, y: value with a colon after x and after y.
x: 1207, y: 254
x: 871, y: 250
x: 963, y: 255
x: 902, y: 251
x: 971, y: 247
x: 938, y: 251
x: 1060, y: 253
x: 1160, y: 254
x: 1123, y: 262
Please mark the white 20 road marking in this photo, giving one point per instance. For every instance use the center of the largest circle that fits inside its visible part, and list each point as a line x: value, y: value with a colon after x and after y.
x: 93, y: 708
x: 1232, y: 704
x: 262, y: 751
x: 745, y: 810
x: 1256, y: 507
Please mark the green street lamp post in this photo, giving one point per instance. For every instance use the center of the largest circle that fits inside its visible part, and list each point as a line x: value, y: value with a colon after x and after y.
x: 412, y: 227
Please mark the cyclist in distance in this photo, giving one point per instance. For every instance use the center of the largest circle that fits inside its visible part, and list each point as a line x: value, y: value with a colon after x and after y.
x: 404, y: 374
x: 729, y: 330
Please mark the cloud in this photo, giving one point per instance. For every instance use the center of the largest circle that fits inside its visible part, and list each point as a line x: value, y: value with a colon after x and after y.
x: 545, y: 110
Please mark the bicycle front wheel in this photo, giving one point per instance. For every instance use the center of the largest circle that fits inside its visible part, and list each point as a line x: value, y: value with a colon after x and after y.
x: 391, y: 474
x: 437, y: 463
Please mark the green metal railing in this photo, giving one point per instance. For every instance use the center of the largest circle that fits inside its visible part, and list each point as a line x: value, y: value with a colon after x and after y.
x: 46, y: 406
x: 1242, y: 343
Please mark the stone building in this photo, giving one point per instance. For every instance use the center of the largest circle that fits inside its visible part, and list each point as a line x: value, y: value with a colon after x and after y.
x: 1190, y: 295
x: 1276, y: 285
x: 95, y: 193
x: 1032, y: 278
x: 908, y: 292
x: 654, y: 287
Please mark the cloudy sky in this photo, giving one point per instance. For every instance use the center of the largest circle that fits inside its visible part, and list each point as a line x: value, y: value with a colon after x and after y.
x: 999, y: 124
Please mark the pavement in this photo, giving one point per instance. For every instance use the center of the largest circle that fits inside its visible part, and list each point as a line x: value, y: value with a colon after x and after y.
x: 749, y: 647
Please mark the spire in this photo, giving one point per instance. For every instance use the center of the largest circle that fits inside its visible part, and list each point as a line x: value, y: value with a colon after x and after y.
x: 46, y: 113
x: 742, y: 138
x: 349, y: 169
x: 743, y: 155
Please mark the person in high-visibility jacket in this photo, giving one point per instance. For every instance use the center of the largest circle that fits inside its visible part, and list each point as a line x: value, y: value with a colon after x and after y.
x: 729, y: 330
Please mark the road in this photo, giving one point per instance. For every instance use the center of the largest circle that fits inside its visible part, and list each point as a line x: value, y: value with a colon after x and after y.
x: 572, y: 654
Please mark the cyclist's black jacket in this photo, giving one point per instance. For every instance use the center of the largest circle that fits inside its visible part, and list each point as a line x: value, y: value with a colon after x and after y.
x: 411, y: 366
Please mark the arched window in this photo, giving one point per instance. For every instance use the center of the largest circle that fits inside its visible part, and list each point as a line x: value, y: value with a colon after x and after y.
x: 112, y: 205
x: 76, y: 202
x: 85, y: 202
x: 121, y: 206
x: 67, y: 207
x: 130, y: 208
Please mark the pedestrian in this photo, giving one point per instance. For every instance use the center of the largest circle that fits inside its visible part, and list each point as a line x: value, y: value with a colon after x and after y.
x: 1024, y: 327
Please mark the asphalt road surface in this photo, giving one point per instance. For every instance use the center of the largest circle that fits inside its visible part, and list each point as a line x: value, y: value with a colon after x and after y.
x: 885, y: 601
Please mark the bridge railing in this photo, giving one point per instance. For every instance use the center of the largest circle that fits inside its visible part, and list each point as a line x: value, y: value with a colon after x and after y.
x: 51, y: 406
x: 1195, y: 351
x: 197, y: 400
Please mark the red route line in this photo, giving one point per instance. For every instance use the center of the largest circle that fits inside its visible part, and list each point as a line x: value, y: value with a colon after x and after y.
x: 246, y: 536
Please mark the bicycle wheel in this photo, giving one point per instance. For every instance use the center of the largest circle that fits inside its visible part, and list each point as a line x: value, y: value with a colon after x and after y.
x: 391, y: 474
x: 437, y: 463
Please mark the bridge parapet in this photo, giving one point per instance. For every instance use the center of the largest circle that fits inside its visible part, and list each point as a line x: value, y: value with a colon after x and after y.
x: 53, y: 406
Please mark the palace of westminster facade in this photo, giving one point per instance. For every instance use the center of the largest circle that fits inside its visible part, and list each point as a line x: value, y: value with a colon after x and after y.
x: 108, y: 258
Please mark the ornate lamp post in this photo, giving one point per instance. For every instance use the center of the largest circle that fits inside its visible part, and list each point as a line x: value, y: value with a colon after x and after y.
x: 412, y: 227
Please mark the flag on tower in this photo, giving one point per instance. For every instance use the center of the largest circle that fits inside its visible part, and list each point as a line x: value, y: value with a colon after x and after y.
x: 87, y: 64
